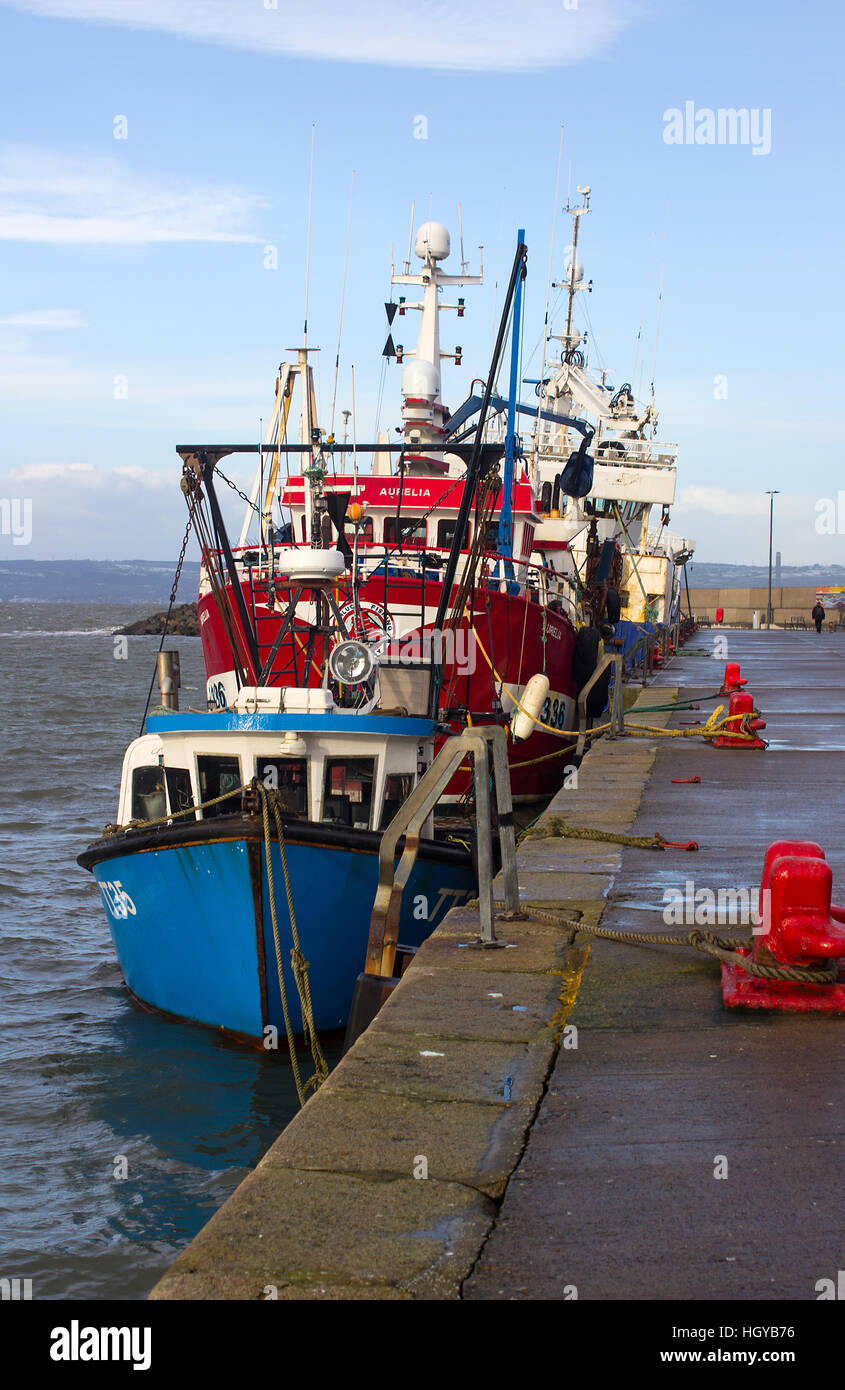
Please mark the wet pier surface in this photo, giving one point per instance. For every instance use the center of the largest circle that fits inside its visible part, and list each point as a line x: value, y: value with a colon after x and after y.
x: 617, y: 1194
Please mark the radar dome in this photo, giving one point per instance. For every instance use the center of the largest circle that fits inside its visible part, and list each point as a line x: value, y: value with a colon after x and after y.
x: 574, y: 273
x: 432, y: 240
x: 420, y: 378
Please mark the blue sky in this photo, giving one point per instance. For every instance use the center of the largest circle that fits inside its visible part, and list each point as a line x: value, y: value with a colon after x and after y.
x: 144, y: 257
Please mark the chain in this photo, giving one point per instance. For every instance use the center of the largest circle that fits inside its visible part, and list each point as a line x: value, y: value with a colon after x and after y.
x: 180, y: 562
x: 218, y: 473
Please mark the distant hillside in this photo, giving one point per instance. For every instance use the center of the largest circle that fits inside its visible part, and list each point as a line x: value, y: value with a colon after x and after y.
x: 149, y: 581
x: 706, y: 576
x: 96, y: 581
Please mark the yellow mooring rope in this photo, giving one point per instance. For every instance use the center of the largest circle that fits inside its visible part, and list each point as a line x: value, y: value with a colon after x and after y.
x: 270, y: 801
x: 714, y: 728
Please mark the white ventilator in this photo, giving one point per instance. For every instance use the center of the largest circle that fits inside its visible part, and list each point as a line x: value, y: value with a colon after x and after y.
x: 533, y: 698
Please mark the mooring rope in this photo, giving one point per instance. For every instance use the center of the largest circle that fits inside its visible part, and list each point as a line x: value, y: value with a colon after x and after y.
x: 270, y: 800
x: 556, y: 827
x: 722, y: 948
x: 299, y: 965
x: 714, y: 727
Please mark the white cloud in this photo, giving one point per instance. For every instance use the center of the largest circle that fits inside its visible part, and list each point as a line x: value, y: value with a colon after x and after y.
x: 44, y: 318
x: 722, y: 502
x: 497, y: 35
x: 733, y: 527
x: 46, y: 197
x: 46, y: 472
x: 104, y: 511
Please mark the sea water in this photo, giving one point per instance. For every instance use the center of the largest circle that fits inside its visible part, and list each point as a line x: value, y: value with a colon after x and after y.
x: 121, y: 1132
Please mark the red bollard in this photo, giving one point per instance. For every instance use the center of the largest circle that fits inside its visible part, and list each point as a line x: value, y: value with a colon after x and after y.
x: 805, y: 849
x: 801, y: 849
x: 733, y: 680
x: 798, y: 929
x: 740, y: 704
x: 657, y: 659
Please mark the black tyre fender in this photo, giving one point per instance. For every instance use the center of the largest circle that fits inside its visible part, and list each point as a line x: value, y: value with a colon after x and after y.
x: 585, y: 658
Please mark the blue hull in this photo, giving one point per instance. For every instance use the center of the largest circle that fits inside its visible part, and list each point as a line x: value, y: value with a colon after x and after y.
x: 193, y: 933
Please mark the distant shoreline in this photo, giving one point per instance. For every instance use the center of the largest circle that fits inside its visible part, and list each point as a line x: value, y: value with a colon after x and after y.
x: 146, y: 583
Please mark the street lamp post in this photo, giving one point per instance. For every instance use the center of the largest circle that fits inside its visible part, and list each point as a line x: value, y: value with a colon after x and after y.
x: 771, y: 494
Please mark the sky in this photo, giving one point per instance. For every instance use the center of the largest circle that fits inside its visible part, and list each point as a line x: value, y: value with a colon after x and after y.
x: 155, y: 160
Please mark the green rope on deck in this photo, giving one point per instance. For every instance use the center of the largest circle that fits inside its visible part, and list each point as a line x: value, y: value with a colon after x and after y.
x: 556, y: 827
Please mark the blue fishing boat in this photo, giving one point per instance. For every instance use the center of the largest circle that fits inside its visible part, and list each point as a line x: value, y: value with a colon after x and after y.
x: 240, y: 879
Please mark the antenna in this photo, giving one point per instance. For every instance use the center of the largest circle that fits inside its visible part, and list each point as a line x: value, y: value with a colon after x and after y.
x: 354, y: 437
x: 342, y: 299
x: 496, y: 275
x: 308, y: 238
x: 410, y: 240
x: 461, y: 235
x: 642, y: 317
x: 659, y: 307
x: 548, y: 296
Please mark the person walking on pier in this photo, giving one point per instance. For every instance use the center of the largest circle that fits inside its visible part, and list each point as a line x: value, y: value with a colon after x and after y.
x: 818, y: 616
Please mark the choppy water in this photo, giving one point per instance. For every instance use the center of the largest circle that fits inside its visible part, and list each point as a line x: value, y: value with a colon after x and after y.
x: 85, y: 1076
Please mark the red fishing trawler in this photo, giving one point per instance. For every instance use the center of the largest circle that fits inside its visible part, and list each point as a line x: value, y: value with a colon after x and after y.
x: 439, y: 558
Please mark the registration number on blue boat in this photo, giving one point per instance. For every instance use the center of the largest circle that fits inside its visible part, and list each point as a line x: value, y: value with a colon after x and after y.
x: 117, y: 900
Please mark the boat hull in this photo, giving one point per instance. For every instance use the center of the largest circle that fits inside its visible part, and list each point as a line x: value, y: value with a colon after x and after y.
x: 189, y: 913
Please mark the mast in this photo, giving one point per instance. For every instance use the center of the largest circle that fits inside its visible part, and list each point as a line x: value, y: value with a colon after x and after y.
x: 505, y: 535
x: 423, y: 412
x: 574, y: 275
x: 474, y: 467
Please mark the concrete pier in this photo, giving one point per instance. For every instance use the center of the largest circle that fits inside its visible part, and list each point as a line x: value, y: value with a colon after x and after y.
x: 618, y: 1192
x: 553, y: 1120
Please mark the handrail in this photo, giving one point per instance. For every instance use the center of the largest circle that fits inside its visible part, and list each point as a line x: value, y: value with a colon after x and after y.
x: 485, y: 743
x: 617, y: 718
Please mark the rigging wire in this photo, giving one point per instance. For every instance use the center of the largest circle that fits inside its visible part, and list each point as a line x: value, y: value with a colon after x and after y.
x: 308, y: 239
x: 342, y: 301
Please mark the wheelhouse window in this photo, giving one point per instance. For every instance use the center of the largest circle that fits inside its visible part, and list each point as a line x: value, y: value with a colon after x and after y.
x: 412, y: 528
x: 288, y: 776
x: 348, y: 791
x: 179, y: 795
x: 446, y: 533
x: 398, y: 788
x: 148, y: 793
x: 216, y: 777
x: 365, y: 532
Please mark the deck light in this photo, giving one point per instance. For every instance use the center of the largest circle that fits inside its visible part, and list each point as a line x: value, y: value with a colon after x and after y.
x: 351, y: 663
